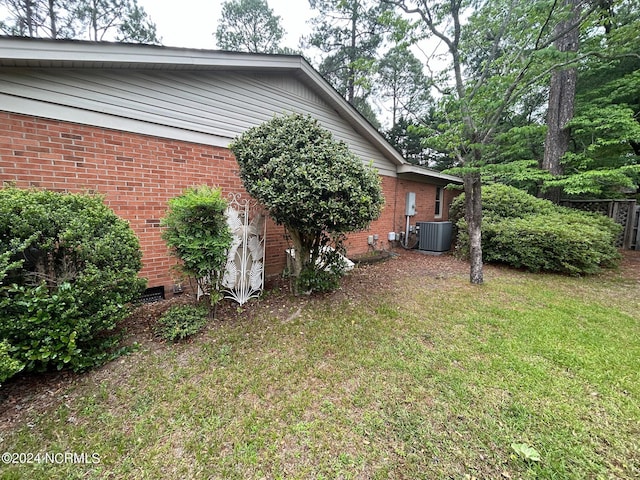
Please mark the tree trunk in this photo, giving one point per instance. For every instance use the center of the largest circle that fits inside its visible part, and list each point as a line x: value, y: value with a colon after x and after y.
x: 94, y: 21
x: 52, y: 19
x: 473, y: 217
x: 302, y: 254
x: 29, y: 17
x: 351, y: 83
x: 562, y: 92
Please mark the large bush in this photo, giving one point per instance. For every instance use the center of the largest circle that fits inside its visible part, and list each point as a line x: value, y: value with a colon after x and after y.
x: 503, y: 201
x: 70, y: 269
x: 310, y: 183
x: 198, y: 234
x: 532, y: 233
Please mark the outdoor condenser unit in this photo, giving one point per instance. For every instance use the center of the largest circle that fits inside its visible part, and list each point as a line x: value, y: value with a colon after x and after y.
x: 435, y: 236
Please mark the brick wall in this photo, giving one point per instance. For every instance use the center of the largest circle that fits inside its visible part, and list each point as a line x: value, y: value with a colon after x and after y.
x: 138, y: 174
x: 393, y: 217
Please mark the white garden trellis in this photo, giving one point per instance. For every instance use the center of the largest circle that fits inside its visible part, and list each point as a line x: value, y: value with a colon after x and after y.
x: 243, y: 278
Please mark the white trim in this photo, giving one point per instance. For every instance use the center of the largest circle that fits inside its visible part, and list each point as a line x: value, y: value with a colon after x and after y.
x: 34, y: 52
x: 439, y: 202
x: 412, y: 169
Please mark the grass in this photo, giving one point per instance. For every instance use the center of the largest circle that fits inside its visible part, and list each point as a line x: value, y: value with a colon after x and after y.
x: 436, y: 381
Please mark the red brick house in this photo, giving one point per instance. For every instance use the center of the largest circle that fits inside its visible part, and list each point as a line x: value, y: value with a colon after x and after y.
x: 141, y: 123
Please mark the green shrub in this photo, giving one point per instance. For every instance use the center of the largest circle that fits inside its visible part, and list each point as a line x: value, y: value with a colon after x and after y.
x: 72, y: 282
x: 503, y: 201
x: 319, y: 281
x: 311, y: 183
x: 531, y: 233
x: 198, y: 234
x: 324, y: 276
x: 324, y: 279
x: 181, y: 321
x: 8, y: 366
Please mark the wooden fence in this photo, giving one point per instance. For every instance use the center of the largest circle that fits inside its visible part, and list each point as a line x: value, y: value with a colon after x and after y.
x: 635, y: 229
x: 624, y: 212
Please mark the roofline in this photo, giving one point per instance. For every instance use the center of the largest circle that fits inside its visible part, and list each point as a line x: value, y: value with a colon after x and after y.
x: 362, y: 125
x: 49, y: 53
x: 45, y: 52
x: 410, y: 169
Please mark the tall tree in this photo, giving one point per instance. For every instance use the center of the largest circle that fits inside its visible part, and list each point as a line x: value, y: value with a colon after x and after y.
x: 604, y: 154
x: 349, y: 33
x: 406, y: 137
x: 29, y: 18
x: 120, y: 20
x: 102, y: 18
x: 562, y: 93
x: 600, y: 159
x: 249, y: 26
x: 137, y: 27
x: 403, y: 83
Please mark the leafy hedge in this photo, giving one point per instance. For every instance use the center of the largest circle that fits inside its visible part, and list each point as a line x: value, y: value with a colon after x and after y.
x: 8, y: 365
x: 532, y: 233
x: 196, y: 232
x: 70, y: 270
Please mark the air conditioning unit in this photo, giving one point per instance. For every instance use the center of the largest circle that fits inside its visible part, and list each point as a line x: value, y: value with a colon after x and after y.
x: 435, y: 236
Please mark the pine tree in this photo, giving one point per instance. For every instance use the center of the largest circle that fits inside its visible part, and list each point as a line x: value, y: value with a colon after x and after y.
x: 249, y: 26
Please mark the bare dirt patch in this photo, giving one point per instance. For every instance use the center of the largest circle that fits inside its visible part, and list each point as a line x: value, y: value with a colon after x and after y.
x: 630, y: 265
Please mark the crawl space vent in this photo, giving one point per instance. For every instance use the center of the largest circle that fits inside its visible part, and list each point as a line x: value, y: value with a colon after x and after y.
x: 153, y: 294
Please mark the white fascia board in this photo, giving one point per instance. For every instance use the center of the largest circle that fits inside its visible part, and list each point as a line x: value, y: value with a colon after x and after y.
x: 39, y: 52
x: 412, y: 169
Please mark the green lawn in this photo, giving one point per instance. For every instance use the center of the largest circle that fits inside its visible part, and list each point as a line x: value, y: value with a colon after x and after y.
x: 436, y: 381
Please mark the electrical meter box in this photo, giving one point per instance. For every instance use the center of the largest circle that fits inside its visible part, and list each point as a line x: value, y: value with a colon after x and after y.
x: 410, y: 204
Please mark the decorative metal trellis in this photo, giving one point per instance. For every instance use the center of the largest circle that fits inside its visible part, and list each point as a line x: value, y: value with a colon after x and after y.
x: 243, y: 278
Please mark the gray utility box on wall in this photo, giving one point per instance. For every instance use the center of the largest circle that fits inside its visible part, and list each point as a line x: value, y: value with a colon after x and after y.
x: 435, y: 236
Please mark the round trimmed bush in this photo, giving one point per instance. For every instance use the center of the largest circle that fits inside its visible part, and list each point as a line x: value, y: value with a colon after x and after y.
x: 523, y: 231
x: 503, y: 201
x: 313, y: 185
x: 70, y: 281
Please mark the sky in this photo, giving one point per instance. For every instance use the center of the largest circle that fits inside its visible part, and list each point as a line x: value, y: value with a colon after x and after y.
x: 192, y: 23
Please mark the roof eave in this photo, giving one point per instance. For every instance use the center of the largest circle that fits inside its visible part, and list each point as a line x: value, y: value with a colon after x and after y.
x: 19, y: 51
x: 413, y: 171
x: 359, y: 123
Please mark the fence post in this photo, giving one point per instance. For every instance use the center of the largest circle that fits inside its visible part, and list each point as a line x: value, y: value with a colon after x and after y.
x: 635, y: 230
